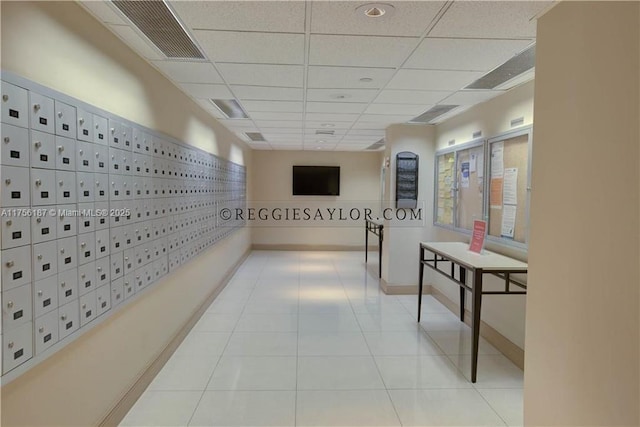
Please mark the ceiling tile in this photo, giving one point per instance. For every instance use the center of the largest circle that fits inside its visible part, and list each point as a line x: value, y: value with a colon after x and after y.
x: 265, y: 115
x: 369, y: 125
x: 331, y: 117
x: 263, y: 74
x: 205, y: 90
x: 239, y: 124
x: 136, y: 42
x: 310, y: 132
x: 270, y: 48
x: 262, y: 124
x: 359, y: 50
x: 464, y: 54
x: 348, y: 77
x: 379, y: 108
x: 432, y: 79
x: 189, y: 72
x: 282, y: 136
x: 411, y: 97
x: 265, y: 93
x: 335, y: 107
x: 341, y: 17
x: 285, y: 130
x: 490, y: 19
x: 280, y: 16
x: 103, y: 11
x: 385, y: 118
x: 366, y: 132
x: 471, y: 97
x: 309, y: 124
x: 260, y: 146
x: 351, y: 95
x: 210, y: 108
x: 273, y: 106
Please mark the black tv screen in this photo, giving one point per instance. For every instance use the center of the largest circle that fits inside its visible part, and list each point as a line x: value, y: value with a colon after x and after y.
x: 316, y: 180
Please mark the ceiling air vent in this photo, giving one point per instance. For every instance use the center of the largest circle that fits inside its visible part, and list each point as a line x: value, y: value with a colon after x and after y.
x: 515, y: 66
x: 230, y: 108
x: 376, y: 145
x: 255, y: 136
x: 325, y: 132
x: 432, y: 113
x: 159, y: 24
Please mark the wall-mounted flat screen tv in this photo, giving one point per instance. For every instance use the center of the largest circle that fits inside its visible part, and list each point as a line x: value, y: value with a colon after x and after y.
x: 316, y: 180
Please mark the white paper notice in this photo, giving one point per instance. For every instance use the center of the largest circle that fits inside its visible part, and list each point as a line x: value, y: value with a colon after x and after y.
x: 497, y: 159
x: 510, y: 187
x: 473, y: 159
x: 508, y: 220
x: 480, y: 164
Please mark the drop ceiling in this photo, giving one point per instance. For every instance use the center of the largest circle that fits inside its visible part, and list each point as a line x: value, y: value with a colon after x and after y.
x: 302, y: 68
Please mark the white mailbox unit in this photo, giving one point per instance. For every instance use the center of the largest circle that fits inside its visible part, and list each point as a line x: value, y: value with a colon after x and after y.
x: 95, y: 209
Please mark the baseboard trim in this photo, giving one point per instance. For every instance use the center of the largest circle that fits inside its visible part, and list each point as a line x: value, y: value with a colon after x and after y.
x: 305, y: 247
x: 510, y: 350
x: 124, y: 405
x: 403, y: 289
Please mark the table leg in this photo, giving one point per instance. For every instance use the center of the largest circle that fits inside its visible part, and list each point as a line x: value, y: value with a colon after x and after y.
x: 420, y: 277
x: 475, y: 324
x: 366, y: 242
x: 379, y: 254
x: 463, y: 279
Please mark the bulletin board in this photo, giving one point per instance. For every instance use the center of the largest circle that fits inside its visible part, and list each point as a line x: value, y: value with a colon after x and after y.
x: 445, y: 167
x: 508, y: 186
x: 470, y: 186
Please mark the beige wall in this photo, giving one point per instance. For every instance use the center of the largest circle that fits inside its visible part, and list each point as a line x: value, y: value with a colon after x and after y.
x: 61, y: 46
x: 582, y: 308
x: 272, y: 182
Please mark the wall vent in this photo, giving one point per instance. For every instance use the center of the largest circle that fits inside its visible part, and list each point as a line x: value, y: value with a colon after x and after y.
x: 325, y: 132
x: 524, y: 61
x: 162, y: 28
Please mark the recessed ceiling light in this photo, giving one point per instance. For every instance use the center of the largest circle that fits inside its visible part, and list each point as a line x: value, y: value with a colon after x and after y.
x: 366, y: 79
x: 375, y: 10
x: 321, y: 141
x: 339, y: 96
x: 327, y: 125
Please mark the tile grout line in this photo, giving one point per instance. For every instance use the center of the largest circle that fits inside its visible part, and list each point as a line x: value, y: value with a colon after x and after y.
x: 225, y: 346
x: 295, y: 395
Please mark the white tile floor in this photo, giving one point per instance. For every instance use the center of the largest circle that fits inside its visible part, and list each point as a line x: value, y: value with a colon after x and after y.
x: 308, y: 339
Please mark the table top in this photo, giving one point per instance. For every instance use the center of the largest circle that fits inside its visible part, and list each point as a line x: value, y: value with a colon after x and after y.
x: 489, y: 261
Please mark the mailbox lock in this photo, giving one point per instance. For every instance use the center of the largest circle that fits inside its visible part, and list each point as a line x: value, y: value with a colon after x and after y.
x: 81, y: 121
x: 38, y: 182
x: 63, y: 284
x: 38, y: 220
x: 62, y: 250
x: 10, y: 345
x: 84, y: 306
x: 99, y: 268
x: 39, y: 256
x: 10, y: 304
x: 9, y: 222
x: 60, y: 183
x: 10, y: 264
x: 38, y: 144
x: 7, y: 139
x: 60, y: 114
x: 41, y: 329
x: 63, y: 317
x: 36, y: 107
x: 7, y: 181
x: 39, y: 293
x: 83, y: 244
x: 60, y: 148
